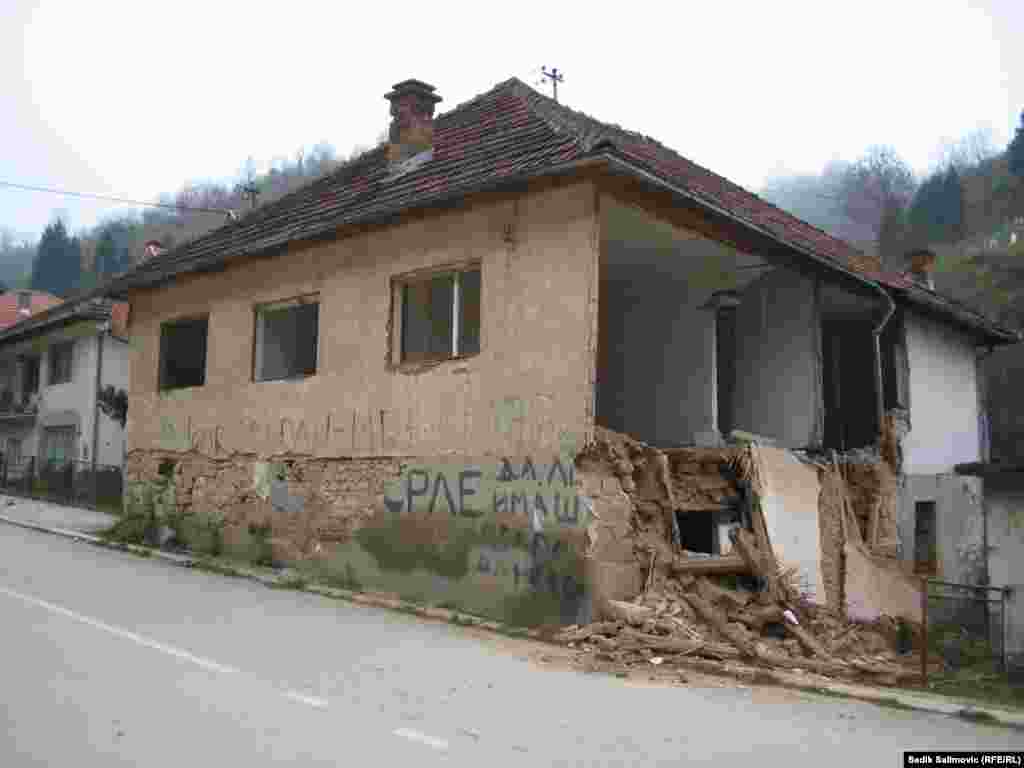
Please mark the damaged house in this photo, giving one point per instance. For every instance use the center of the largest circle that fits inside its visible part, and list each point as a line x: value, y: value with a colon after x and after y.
x: 522, y: 361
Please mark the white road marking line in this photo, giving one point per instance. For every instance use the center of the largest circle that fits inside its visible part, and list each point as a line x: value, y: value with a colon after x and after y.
x: 422, y: 738
x: 305, y: 698
x: 146, y: 642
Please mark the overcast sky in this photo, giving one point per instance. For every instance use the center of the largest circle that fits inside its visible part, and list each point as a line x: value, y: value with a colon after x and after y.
x: 134, y: 98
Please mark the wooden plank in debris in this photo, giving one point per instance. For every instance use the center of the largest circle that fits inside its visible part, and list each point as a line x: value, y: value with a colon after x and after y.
x: 756, y: 617
x: 716, y: 594
x: 806, y: 639
x: 627, y: 612
x: 725, y: 564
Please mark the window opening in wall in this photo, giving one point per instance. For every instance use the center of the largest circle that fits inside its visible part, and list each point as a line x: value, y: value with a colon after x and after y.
x: 24, y: 300
x: 61, y: 357
x: 60, y: 444
x: 441, y: 316
x: 894, y: 385
x: 707, y: 531
x: 925, y: 546
x: 848, y: 376
x: 13, y: 451
x: 286, y: 339
x: 30, y: 376
x: 725, y: 361
x: 183, y: 353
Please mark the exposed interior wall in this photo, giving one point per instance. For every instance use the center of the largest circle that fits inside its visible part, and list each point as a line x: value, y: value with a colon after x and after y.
x: 789, y: 495
x: 778, y: 391
x: 959, y: 532
x: 944, y: 410
x: 538, y: 257
x: 658, y: 363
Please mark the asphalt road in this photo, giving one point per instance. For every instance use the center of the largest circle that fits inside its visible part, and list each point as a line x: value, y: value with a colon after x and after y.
x: 110, y: 659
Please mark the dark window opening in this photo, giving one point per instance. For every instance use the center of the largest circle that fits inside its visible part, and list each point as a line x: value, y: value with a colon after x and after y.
x: 30, y: 376
x: 725, y: 361
x: 894, y: 385
x: 707, y: 531
x: 60, y: 444
x: 183, y: 353
x: 24, y: 300
x: 848, y: 377
x: 61, y: 358
x: 286, y: 340
x: 925, y: 547
x: 432, y: 310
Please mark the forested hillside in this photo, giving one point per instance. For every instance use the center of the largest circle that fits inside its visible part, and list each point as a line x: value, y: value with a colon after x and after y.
x: 66, y: 263
x: 969, y: 210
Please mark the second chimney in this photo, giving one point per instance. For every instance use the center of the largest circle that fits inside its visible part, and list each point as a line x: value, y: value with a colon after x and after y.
x: 921, y: 262
x: 412, y: 119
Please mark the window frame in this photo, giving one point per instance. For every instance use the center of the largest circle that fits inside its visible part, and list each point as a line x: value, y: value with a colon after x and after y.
x: 294, y: 301
x: 27, y: 362
x: 51, y: 369
x: 162, y: 350
x: 396, y: 355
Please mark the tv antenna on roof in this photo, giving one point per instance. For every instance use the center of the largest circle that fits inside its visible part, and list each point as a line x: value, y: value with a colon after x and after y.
x: 554, y: 76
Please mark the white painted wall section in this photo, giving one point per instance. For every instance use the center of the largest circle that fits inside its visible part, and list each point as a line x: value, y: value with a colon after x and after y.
x: 777, y: 391
x: 943, y: 398
x: 789, y: 504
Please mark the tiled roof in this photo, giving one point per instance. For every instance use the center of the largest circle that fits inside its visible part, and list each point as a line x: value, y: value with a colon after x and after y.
x: 64, y: 313
x: 510, y: 133
x: 37, y: 303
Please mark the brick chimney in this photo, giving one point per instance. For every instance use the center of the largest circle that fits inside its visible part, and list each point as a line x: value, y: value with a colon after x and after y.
x: 412, y: 119
x: 152, y: 248
x: 920, y: 264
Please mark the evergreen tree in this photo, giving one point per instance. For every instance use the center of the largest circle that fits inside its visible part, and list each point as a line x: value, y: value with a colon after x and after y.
x: 57, y: 265
x: 1015, y: 151
x: 936, y: 214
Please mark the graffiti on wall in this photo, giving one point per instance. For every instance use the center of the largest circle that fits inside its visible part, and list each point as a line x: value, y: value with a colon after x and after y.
x: 543, y: 494
x: 366, y: 431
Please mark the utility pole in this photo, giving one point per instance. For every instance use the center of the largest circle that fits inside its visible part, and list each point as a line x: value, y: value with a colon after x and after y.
x: 554, y: 76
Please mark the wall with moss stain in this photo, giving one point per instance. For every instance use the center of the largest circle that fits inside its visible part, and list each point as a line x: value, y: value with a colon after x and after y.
x: 505, y: 539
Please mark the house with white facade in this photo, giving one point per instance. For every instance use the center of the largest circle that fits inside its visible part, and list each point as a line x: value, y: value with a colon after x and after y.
x: 54, y: 369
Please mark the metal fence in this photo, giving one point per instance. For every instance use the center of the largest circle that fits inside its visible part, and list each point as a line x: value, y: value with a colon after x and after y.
x: 967, y: 626
x: 66, y: 482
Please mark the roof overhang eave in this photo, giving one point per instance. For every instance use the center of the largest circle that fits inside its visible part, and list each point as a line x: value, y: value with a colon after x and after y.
x: 120, y: 288
x: 820, y: 262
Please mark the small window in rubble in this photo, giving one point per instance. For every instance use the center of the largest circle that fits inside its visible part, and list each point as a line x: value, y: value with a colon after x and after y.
x: 440, y: 316
x: 286, y: 339
x: 183, y: 353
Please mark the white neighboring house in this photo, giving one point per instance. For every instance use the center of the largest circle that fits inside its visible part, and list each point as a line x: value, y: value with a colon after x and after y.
x: 53, y: 367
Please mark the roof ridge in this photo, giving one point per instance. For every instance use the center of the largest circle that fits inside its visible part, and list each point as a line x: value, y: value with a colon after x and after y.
x: 551, y: 111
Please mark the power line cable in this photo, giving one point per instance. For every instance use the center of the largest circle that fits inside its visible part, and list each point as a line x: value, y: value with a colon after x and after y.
x: 171, y: 206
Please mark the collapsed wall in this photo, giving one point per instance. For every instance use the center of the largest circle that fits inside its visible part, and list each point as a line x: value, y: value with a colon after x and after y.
x: 809, y: 545
x: 551, y: 542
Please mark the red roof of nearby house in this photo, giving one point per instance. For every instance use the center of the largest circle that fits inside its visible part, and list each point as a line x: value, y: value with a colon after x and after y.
x: 509, y: 134
x: 38, y: 301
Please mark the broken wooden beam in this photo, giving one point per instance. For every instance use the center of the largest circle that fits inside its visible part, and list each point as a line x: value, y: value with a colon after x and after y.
x: 724, y: 564
x: 806, y: 639
x: 756, y: 617
x: 716, y: 594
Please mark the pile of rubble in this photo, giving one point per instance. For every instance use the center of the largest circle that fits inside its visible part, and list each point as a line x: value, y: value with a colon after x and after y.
x: 687, y: 617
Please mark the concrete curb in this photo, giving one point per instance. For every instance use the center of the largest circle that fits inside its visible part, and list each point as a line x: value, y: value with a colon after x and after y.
x: 275, y: 580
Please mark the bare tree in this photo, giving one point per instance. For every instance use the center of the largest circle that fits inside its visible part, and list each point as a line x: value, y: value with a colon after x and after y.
x: 873, y: 184
x: 973, y: 149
